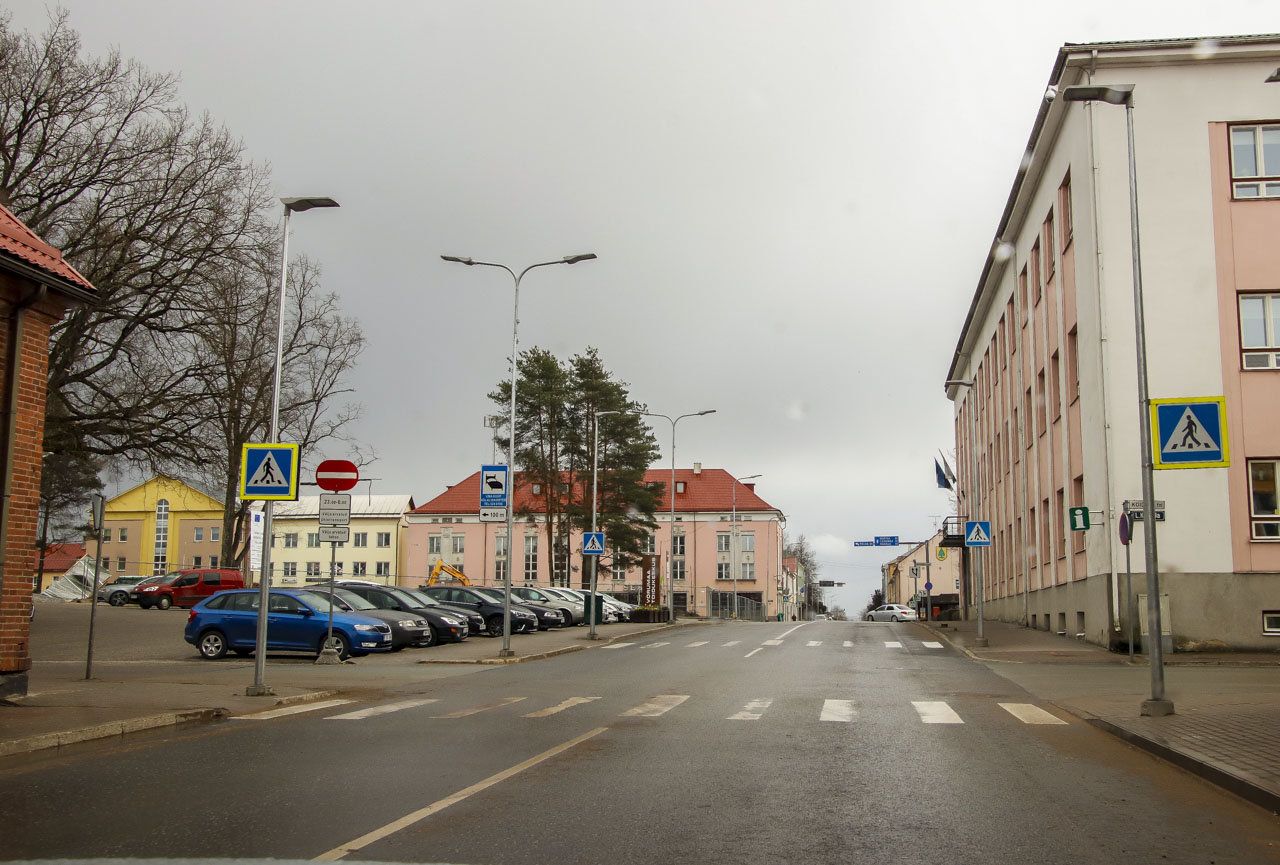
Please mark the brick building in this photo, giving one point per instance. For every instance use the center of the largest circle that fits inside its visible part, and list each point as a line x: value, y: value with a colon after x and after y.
x: 36, y: 288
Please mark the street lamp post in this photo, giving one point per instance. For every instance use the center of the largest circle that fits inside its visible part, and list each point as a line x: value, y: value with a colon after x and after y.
x: 733, y: 554
x: 511, y: 444
x: 259, y: 687
x: 671, y: 494
x: 979, y: 574
x: 1122, y: 94
x: 595, y: 560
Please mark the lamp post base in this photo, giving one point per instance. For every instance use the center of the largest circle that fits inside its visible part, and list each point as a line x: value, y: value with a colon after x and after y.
x: 506, y: 653
x: 979, y: 642
x: 329, y: 656
x: 1157, y: 708
x: 259, y: 691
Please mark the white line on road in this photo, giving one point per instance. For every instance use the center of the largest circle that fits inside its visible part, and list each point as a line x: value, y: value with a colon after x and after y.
x: 892, y: 644
x: 379, y: 710
x: 812, y: 643
x: 838, y: 710
x: 475, y: 710
x: 752, y: 711
x: 439, y: 805
x: 773, y: 642
x: 936, y: 713
x: 654, y: 645
x: 796, y: 628
x: 655, y: 706
x: 732, y: 643
x: 752, y: 652
x: 618, y: 645
x: 848, y: 644
x: 290, y: 710
x: 567, y: 704
x: 1029, y: 714
x: 699, y: 643
x: 928, y: 645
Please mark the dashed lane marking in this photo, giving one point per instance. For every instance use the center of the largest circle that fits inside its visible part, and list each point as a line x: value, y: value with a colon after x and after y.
x: 930, y: 645
x: 618, y: 645
x: 813, y: 643
x: 848, y: 644
x: 753, y: 651
x: 290, y: 710
x: 655, y: 706
x: 773, y: 642
x: 752, y: 711
x: 892, y: 644
x: 654, y: 645
x: 567, y: 704
x: 731, y: 643
x: 699, y: 643
x: 475, y: 710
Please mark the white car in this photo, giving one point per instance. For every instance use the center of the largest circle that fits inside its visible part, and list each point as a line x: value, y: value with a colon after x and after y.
x: 891, y: 613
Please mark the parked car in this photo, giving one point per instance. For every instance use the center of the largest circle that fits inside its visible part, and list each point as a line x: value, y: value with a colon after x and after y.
x: 186, y: 587
x: 407, y: 628
x: 475, y: 621
x: 297, y: 621
x: 116, y: 592
x: 572, y: 609
x: 441, y: 624
x: 611, y: 610
x: 522, y: 621
x: 891, y: 613
x: 548, y: 617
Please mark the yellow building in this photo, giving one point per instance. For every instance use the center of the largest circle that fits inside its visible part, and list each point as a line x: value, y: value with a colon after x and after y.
x: 158, y: 526
x: 375, y: 551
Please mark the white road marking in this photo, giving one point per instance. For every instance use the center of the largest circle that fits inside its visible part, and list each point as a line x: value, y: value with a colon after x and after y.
x: 695, y: 645
x: 936, y: 713
x: 439, y: 805
x: 838, y: 710
x: 379, y: 710
x: 773, y: 642
x: 290, y: 710
x: 892, y: 644
x: 932, y: 645
x: 731, y: 643
x: 567, y: 704
x: 848, y: 644
x: 475, y: 710
x: 1029, y: 714
x: 752, y: 711
x: 812, y: 643
x: 654, y: 645
x: 655, y: 706
x: 796, y: 628
x: 618, y: 645
x: 752, y: 652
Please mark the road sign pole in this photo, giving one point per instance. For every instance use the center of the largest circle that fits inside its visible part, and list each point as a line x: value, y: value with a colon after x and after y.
x: 329, y: 655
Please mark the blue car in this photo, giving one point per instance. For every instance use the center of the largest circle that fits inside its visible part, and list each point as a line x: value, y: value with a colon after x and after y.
x: 297, y: 621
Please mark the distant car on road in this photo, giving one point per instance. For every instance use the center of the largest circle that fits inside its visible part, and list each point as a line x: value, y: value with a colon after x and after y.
x: 891, y: 613
x: 116, y: 592
x: 186, y: 588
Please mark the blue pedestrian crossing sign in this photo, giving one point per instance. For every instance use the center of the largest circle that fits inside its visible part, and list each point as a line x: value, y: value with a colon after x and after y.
x: 1189, y: 433
x: 593, y: 543
x: 269, y: 472
x: 977, y: 533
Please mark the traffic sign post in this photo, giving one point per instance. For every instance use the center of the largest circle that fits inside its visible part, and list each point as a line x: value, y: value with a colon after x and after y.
x: 977, y: 533
x: 334, y: 515
x: 1125, y: 538
x: 494, y: 486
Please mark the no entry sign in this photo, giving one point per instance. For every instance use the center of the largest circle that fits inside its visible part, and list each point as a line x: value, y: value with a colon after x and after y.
x: 337, y: 475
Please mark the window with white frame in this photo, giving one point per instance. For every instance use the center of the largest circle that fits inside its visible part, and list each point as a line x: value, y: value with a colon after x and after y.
x: 384, y: 569
x: 1255, y: 161
x: 360, y: 539
x: 531, y: 558
x: 649, y: 546
x: 289, y: 569
x: 196, y: 561
x: 359, y: 569
x: 1260, y: 331
x: 215, y: 533
x: 291, y: 540
x: 213, y: 561
x: 619, y: 573
x: 434, y: 545
x: 313, y: 569
x: 384, y: 539
x: 124, y: 534
x: 748, y: 542
x: 199, y: 538
x: 313, y: 539
x: 120, y: 564
x: 677, y: 545
x: 748, y: 571
x: 722, y: 542
x: 459, y: 544
x: 1271, y: 622
x: 724, y: 571
x: 106, y: 536
x: 677, y: 569
x: 1264, y: 508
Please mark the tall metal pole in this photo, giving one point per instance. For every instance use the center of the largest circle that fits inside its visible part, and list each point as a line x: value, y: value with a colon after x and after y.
x: 595, y: 560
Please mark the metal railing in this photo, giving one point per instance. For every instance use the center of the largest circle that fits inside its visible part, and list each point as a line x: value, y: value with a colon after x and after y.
x: 722, y: 607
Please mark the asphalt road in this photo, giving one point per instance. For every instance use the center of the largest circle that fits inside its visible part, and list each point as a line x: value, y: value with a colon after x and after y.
x: 739, y: 743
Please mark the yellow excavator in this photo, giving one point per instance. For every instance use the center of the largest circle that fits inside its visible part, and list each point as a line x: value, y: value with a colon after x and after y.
x: 441, y: 568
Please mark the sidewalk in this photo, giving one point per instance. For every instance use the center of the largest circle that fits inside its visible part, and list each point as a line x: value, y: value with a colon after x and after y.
x: 63, y: 708
x: 1224, y: 727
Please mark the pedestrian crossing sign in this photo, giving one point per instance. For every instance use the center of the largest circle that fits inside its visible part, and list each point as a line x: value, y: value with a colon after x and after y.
x: 977, y: 533
x: 593, y: 543
x: 1189, y: 433
x: 269, y: 472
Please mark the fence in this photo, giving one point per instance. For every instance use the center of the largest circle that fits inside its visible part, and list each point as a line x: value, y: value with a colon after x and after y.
x: 722, y: 607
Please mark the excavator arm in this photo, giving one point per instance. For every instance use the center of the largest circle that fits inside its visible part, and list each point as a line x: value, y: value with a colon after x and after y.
x: 441, y: 568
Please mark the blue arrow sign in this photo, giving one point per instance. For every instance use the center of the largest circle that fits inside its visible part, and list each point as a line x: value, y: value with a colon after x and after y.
x: 864, y: 543
x: 269, y: 472
x: 593, y: 543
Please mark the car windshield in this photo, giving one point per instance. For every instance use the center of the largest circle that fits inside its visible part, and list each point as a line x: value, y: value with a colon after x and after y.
x: 353, y: 600
x: 492, y: 593
x: 423, y: 599
x: 317, y: 600
x: 166, y: 579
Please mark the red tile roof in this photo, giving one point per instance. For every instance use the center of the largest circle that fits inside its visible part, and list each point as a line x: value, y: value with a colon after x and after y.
x: 21, y: 242
x: 59, y: 557
x: 708, y: 490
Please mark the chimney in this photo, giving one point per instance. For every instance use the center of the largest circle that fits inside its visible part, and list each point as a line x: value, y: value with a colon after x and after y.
x: 697, y: 469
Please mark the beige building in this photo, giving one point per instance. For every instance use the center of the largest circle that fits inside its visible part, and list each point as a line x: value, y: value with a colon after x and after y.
x: 374, y: 552
x: 933, y: 564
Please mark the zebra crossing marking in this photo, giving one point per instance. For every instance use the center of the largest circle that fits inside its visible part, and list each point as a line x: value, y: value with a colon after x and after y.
x: 842, y: 711
x: 1029, y: 714
x: 848, y: 644
x: 752, y: 711
x: 936, y: 712
x: 730, y: 643
x: 475, y: 710
x: 384, y: 709
x: 654, y: 645
x: 560, y: 707
x: 618, y: 645
x: 290, y: 710
x: 929, y: 645
x: 892, y: 644
x: 813, y: 643
x: 695, y: 645
x: 655, y: 706
x: 773, y: 642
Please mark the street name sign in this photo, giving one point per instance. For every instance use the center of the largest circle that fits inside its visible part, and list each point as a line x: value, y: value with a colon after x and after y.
x: 1189, y: 433
x: 886, y: 540
x: 335, y: 509
x: 1134, y: 509
x: 977, y: 533
x: 269, y: 472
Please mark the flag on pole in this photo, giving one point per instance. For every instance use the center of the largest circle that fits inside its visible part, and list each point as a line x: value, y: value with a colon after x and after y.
x: 943, y: 482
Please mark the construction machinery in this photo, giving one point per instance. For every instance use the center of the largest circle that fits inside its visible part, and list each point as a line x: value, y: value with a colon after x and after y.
x: 441, y: 568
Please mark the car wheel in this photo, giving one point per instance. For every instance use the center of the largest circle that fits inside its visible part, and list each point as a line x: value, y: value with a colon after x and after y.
x: 432, y: 637
x: 567, y: 618
x: 340, y: 642
x: 212, y: 645
x: 493, y: 627
x: 165, y: 602
x: 893, y: 618
x: 118, y: 599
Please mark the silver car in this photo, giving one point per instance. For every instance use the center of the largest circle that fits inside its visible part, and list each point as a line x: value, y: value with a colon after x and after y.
x: 891, y: 613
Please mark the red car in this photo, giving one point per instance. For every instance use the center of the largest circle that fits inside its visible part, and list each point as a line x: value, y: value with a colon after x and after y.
x: 186, y: 588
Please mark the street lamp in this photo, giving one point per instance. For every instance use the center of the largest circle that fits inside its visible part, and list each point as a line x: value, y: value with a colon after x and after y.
x: 259, y: 687
x: 511, y: 444
x: 671, y: 493
x: 980, y: 574
x: 733, y: 554
x: 595, y: 560
x: 1122, y: 94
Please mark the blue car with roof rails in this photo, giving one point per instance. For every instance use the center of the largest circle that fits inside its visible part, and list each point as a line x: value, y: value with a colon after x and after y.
x: 297, y: 621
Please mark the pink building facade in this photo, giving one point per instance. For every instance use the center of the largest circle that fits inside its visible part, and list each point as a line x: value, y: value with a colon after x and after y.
x: 1050, y: 421
x: 710, y: 545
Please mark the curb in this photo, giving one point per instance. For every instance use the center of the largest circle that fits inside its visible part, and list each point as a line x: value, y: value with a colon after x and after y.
x: 107, y: 731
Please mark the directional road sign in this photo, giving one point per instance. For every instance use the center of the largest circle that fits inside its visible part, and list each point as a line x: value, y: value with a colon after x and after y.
x: 1189, y: 433
x: 337, y: 476
x: 269, y: 472
x: 977, y: 533
x: 864, y: 543
x: 1133, y: 507
x: 593, y: 544
x: 886, y: 540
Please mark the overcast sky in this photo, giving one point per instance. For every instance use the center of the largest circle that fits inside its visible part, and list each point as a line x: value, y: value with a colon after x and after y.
x: 791, y: 202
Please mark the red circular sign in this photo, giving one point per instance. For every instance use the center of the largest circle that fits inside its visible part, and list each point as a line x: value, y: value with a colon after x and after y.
x: 337, y: 476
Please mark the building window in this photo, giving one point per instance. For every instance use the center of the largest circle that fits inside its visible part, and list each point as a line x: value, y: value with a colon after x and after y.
x: 313, y: 569
x: 748, y: 572
x: 359, y: 569
x: 619, y: 573
x: 291, y: 541
x: 1264, y: 509
x: 722, y: 542
x: 313, y: 539
x: 434, y: 545
x: 124, y: 534
x: 1049, y: 239
x: 724, y: 571
x: 384, y: 539
x: 537, y: 489
x: 1055, y: 387
x: 679, y: 487
x: 160, y: 557
x: 1077, y: 501
x: 1064, y: 211
x: 1035, y: 273
x: 1255, y: 161
x: 106, y: 536
x: 289, y: 569
x: 213, y: 561
x: 196, y: 561
x: 1061, y: 515
x: 531, y: 558
x: 1271, y: 622
x: 199, y: 538
x: 1260, y: 330
x: 650, y: 546
x: 335, y: 569
x: 459, y: 544
x: 1073, y: 366
x: 120, y: 564
x: 384, y: 569
x: 677, y: 569
x: 1023, y: 297
x: 677, y: 545
x: 360, y: 539
x: 748, y: 542
x: 215, y: 533
x: 500, y: 570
